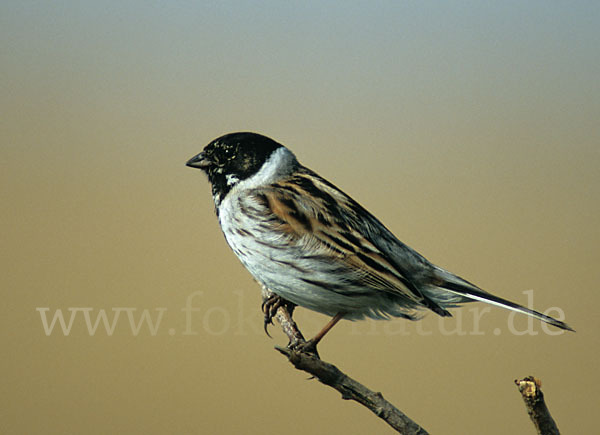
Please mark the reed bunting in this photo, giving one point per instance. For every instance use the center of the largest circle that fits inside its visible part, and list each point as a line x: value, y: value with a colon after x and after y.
x: 312, y: 245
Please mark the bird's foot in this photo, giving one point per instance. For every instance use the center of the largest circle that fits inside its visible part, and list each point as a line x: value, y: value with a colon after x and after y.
x: 309, y: 347
x: 271, y: 305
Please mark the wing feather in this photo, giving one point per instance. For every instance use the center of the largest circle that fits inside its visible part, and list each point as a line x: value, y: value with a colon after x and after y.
x: 310, y: 210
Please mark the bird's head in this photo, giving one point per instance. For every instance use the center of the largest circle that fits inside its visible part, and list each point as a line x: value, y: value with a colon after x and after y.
x: 242, y: 159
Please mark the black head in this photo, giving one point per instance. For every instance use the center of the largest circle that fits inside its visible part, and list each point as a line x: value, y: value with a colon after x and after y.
x: 232, y: 158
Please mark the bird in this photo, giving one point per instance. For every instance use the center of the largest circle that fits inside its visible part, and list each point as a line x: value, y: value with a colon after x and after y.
x: 313, y: 246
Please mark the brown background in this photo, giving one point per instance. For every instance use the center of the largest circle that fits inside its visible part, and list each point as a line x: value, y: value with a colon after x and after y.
x: 470, y: 131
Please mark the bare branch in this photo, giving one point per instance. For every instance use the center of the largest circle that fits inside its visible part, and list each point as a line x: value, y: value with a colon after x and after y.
x: 530, y: 389
x: 330, y: 375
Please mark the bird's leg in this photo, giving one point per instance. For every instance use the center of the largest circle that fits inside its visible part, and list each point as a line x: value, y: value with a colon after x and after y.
x: 270, y: 306
x: 310, y: 346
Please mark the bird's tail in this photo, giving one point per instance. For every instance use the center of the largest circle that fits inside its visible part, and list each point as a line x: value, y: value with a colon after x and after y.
x: 465, y: 292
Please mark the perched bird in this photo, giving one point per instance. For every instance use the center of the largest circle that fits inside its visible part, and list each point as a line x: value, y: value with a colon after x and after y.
x: 312, y: 245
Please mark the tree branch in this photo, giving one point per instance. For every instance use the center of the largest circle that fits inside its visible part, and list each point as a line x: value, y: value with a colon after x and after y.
x: 530, y: 389
x: 330, y: 375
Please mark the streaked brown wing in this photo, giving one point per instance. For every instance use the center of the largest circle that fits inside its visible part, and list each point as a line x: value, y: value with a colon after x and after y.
x: 299, y: 212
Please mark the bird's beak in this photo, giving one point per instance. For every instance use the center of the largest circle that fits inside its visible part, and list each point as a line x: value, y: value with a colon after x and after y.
x: 199, y: 161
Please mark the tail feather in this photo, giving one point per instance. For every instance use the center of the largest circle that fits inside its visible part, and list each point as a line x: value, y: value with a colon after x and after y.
x: 470, y: 291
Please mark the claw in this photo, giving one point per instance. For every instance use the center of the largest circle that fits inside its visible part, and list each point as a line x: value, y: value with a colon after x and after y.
x: 268, y: 321
x: 309, y: 347
x: 270, y: 307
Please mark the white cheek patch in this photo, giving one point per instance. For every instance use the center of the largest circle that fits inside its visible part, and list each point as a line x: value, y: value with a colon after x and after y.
x: 231, y: 179
x: 281, y: 163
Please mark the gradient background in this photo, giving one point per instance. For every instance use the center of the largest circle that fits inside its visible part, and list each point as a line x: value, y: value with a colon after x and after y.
x: 471, y: 129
